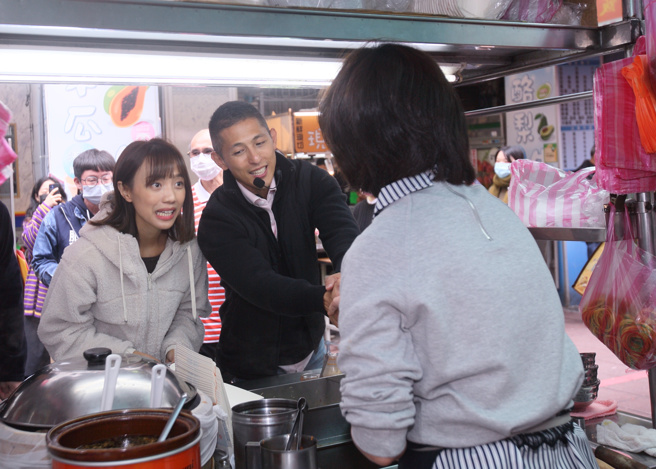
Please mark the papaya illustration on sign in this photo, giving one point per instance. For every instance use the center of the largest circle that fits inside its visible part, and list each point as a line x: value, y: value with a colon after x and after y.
x: 124, y: 104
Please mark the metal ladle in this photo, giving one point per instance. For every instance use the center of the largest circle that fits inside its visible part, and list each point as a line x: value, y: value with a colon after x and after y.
x: 296, y: 435
x: 172, y: 418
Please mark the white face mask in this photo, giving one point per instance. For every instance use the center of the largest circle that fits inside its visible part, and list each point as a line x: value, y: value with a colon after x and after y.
x: 93, y: 194
x: 502, y: 170
x: 204, y: 167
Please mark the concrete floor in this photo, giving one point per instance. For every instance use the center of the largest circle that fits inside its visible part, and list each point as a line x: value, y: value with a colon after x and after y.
x: 618, y: 382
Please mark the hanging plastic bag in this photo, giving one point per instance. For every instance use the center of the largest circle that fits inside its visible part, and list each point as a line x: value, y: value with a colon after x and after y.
x: 650, y: 34
x: 637, y: 75
x: 542, y: 196
x: 532, y: 11
x: 619, y: 303
x: 623, y: 165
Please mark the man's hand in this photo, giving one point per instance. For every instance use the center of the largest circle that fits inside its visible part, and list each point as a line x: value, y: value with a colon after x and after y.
x: 170, y: 356
x: 7, y: 387
x: 331, y: 297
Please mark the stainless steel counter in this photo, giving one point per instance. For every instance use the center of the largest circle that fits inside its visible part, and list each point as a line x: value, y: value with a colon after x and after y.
x: 324, y: 419
x: 621, y: 418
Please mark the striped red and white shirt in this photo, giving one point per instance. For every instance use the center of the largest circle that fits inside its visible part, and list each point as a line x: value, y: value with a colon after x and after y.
x: 216, y: 293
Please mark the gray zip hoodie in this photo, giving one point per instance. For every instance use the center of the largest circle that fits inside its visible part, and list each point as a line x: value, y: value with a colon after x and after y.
x: 102, y: 296
x: 452, y: 331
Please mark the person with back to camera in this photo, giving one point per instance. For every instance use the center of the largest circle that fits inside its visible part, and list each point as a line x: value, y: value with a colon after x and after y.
x: 210, y: 177
x: 501, y: 180
x: 43, y: 198
x: 61, y: 227
x: 436, y: 375
x: 135, y: 281
x: 257, y: 231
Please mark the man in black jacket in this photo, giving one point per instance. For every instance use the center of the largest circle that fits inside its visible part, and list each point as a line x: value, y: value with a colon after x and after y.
x: 258, y: 232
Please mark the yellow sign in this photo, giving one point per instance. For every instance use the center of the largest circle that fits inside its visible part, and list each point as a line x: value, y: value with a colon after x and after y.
x: 307, y: 134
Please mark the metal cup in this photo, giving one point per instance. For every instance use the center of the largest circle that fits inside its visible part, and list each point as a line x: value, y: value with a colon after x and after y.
x: 254, y: 421
x: 274, y: 455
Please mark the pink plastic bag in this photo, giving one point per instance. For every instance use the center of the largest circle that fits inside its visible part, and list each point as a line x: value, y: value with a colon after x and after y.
x: 623, y: 165
x: 542, y: 195
x: 619, y: 303
x: 532, y: 11
x: 650, y: 34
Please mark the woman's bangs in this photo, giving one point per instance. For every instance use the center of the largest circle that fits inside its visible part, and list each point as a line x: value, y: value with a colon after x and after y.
x: 162, y: 165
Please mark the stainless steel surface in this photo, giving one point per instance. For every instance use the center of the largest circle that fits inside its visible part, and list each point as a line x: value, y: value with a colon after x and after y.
x: 569, y: 234
x: 621, y: 418
x: 257, y: 420
x: 530, y: 104
x: 64, y: 390
x: 490, y: 49
x: 324, y: 419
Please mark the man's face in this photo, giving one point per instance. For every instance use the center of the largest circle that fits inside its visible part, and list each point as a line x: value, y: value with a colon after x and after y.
x: 201, y: 143
x: 248, y: 151
x: 91, y: 178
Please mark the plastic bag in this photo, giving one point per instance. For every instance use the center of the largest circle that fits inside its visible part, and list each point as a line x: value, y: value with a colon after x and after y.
x: 618, y: 305
x: 533, y: 11
x: 623, y: 165
x: 542, y: 195
x: 650, y: 34
x: 637, y: 76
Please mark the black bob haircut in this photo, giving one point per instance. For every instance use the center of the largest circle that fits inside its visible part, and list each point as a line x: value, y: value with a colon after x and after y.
x: 390, y: 113
x: 229, y: 114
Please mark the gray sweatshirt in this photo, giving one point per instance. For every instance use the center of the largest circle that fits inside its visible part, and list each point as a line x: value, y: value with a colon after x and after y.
x: 449, y: 338
x: 102, y: 296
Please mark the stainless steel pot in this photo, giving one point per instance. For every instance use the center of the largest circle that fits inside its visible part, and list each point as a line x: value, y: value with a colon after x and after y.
x: 69, y: 389
x: 257, y: 420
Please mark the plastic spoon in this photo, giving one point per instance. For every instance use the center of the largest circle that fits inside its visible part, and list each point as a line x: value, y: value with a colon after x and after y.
x: 296, y: 434
x: 112, y: 367
x: 171, y: 420
x: 157, y: 385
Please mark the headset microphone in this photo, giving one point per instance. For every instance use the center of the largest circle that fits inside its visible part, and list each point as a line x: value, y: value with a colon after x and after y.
x: 258, y: 182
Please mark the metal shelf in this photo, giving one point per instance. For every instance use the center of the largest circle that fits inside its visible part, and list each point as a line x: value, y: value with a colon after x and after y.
x: 590, y: 235
x: 490, y: 49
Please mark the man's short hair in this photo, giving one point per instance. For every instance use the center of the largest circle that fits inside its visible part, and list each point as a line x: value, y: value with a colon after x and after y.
x: 229, y: 114
x: 94, y: 160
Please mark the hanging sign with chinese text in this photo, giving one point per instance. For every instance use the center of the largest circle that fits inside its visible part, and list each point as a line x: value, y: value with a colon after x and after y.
x: 533, y: 129
x: 307, y: 134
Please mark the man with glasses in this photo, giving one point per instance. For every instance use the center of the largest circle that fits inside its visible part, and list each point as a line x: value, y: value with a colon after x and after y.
x: 210, y: 177
x: 61, y: 227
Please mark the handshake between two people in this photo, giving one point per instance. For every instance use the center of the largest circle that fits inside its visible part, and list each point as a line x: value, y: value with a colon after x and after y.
x: 331, y: 297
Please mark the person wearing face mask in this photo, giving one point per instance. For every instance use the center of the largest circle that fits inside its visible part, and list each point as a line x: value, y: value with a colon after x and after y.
x: 505, y: 156
x: 61, y: 226
x: 210, y: 177
x: 44, y: 198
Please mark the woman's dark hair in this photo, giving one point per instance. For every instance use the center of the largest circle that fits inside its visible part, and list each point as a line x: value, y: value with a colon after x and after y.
x: 390, y: 113
x: 94, y: 160
x: 162, y: 160
x: 515, y: 151
x: 34, y: 195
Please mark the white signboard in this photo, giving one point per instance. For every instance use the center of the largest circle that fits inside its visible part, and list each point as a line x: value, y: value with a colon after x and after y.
x: 533, y: 129
x: 81, y: 117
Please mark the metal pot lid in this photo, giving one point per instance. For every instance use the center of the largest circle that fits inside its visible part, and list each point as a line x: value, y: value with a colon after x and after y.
x: 68, y: 389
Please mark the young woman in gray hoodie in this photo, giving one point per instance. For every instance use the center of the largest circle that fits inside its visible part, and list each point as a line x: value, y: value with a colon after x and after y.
x: 135, y: 281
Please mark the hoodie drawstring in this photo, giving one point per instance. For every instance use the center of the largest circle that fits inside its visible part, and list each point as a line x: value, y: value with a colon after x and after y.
x: 120, y: 267
x: 473, y: 209
x: 192, y: 282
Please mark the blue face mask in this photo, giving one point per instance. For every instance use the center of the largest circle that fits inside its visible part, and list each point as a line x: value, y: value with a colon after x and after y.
x: 502, y: 170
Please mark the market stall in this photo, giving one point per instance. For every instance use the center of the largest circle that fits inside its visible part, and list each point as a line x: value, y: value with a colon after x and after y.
x: 474, y: 50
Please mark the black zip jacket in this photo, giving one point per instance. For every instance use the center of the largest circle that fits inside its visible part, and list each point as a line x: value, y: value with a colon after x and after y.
x: 273, y: 312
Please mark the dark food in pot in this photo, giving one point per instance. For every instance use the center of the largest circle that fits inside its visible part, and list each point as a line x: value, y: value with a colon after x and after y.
x: 123, y: 441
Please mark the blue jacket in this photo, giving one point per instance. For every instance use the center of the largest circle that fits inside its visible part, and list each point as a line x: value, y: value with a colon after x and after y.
x: 59, y: 229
